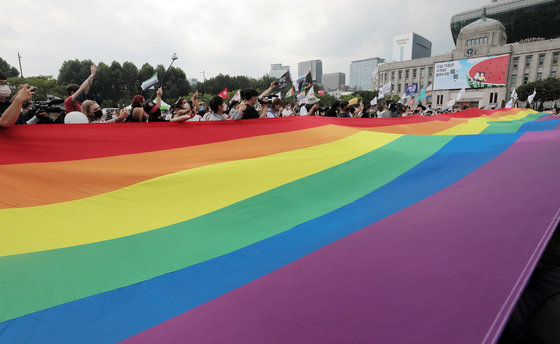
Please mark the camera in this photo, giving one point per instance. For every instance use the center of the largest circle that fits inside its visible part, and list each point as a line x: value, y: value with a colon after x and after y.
x: 266, y: 100
x: 54, y: 106
x: 393, y: 107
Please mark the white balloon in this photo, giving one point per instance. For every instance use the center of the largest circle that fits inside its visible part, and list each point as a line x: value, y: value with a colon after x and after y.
x: 75, y: 117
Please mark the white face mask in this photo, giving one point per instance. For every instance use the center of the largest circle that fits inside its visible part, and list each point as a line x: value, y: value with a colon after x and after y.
x: 5, y: 91
x: 186, y: 106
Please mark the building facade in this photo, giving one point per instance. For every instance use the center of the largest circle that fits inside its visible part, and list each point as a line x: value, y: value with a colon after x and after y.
x: 410, y: 46
x: 482, y: 42
x: 521, y: 18
x: 334, y: 81
x: 277, y: 70
x: 316, y: 68
x: 361, y: 73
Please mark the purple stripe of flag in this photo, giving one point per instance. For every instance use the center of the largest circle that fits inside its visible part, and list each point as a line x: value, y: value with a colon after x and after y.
x: 447, y: 269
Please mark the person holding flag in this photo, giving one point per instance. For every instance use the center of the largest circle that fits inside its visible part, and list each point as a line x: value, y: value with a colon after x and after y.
x: 247, y: 108
x: 309, y: 103
x: 513, y: 98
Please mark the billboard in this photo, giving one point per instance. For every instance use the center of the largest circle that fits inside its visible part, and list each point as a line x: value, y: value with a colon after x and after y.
x: 481, y: 72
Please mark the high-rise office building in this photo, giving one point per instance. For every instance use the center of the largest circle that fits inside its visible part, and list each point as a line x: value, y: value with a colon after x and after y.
x: 277, y: 70
x: 334, y: 81
x: 410, y: 46
x: 361, y: 71
x: 316, y: 68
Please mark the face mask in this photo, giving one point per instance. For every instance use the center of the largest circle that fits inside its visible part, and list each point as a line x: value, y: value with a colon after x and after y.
x: 186, y: 106
x: 5, y: 91
x: 98, y: 113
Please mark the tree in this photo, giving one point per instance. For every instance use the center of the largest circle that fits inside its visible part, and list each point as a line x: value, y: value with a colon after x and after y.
x: 366, y: 96
x: 103, y: 83
x: 45, y: 85
x: 129, y: 80
x: 175, y: 85
x: 74, y: 72
x: 547, y: 90
x: 326, y: 99
x: 8, y: 70
x: 117, y: 87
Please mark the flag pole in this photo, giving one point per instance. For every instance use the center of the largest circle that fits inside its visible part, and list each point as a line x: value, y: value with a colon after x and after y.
x: 160, y: 83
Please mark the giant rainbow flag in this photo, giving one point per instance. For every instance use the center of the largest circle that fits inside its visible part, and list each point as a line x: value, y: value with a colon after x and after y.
x: 288, y: 230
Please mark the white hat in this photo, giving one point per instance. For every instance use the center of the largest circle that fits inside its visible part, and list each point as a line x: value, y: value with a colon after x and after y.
x: 312, y: 100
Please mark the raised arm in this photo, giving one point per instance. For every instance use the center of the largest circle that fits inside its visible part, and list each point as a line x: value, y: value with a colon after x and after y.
x: 11, y: 114
x: 158, y: 96
x: 268, y: 90
x: 87, y: 83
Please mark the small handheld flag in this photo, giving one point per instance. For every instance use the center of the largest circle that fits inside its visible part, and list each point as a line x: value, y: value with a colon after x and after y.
x: 223, y: 94
x: 412, y: 89
x: 300, y: 97
x: 284, y: 80
x: 150, y: 82
x: 460, y: 94
x: 290, y: 93
x: 532, y: 97
x: 429, y: 91
x: 237, y: 96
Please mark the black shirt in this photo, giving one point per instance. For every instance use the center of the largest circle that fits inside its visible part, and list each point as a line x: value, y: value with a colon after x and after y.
x: 331, y: 113
x: 156, y: 119
x: 4, y: 105
x: 250, y: 112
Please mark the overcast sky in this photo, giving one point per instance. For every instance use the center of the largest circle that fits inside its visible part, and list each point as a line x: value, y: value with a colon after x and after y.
x: 218, y: 36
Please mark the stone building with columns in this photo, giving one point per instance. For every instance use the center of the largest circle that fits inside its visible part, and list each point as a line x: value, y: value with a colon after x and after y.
x: 527, y: 60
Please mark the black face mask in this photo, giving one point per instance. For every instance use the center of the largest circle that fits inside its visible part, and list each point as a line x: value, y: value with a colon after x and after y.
x: 98, y: 113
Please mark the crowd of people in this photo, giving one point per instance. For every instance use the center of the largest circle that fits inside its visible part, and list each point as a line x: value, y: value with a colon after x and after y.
x: 251, y: 105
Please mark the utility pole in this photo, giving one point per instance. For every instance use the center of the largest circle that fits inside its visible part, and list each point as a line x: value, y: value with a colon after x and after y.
x: 20, y: 70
